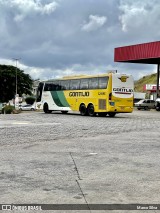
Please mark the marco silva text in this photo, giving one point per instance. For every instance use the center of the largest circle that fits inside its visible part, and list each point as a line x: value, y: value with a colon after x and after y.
x: 147, y: 207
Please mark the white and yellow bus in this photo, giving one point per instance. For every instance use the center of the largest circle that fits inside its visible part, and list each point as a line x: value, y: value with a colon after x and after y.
x: 104, y: 94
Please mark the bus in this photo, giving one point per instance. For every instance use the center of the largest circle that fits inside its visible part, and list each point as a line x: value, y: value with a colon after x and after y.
x: 105, y: 94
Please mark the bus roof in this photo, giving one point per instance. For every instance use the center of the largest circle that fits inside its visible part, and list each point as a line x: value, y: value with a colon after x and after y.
x: 82, y: 76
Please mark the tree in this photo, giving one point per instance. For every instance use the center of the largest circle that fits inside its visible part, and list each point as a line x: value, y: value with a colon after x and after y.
x: 8, y: 83
x: 30, y: 100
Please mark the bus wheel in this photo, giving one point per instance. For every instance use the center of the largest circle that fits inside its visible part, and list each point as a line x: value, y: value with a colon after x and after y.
x: 45, y: 108
x: 102, y: 114
x: 83, y: 109
x: 111, y: 114
x: 90, y: 110
x: 64, y: 112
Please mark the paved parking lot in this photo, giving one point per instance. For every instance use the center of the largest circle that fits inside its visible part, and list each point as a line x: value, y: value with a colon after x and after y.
x: 70, y: 159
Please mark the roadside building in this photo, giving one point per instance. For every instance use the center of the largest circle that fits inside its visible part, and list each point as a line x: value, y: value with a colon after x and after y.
x: 146, y: 53
x: 139, y: 96
x: 151, y: 90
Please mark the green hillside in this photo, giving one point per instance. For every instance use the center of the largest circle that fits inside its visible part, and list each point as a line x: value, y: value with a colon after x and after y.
x: 148, y: 79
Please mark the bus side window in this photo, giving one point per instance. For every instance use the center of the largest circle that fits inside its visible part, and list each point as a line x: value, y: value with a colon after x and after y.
x: 74, y: 84
x: 65, y: 85
x: 93, y: 83
x: 84, y: 83
x: 47, y: 87
x: 52, y: 86
x: 57, y: 85
x: 103, y: 82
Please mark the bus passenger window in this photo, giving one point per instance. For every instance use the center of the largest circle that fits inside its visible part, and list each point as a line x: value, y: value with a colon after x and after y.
x: 74, y: 84
x: 57, y: 85
x: 52, y: 86
x: 93, y: 83
x: 103, y: 82
x: 65, y: 85
x: 84, y: 83
x: 47, y: 87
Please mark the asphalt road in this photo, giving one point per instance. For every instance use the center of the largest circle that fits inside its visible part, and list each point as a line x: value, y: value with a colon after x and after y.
x: 70, y: 159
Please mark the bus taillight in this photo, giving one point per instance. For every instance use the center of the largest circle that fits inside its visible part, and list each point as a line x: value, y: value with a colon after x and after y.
x: 110, y: 96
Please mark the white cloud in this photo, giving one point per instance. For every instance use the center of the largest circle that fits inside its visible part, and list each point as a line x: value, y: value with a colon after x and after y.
x: 143, y: 73
x: 6, y: 61
x: 48, y: 35
x: 131, y: 16
x: 79, y: 69
x: 24, y: 8
x: 138, y: 14
x: 94, y: 23
x: 49, y: 8
x: 34, y: 72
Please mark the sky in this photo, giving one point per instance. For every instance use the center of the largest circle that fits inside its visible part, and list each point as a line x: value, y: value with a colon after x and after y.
x: 55, y: 38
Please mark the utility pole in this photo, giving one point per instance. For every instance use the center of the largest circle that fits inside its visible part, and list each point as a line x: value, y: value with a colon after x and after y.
x: 16, y: 100
x: 157, y: 90
x: 16, y: 60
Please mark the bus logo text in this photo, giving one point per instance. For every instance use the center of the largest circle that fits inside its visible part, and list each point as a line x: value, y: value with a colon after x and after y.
x: 122, y: 90
x: 78, y: 94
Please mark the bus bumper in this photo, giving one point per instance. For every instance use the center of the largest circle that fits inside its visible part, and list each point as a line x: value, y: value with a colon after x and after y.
x: 121, y: 109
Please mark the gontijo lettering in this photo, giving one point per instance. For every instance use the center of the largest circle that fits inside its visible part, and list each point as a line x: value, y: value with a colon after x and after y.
x: 122, y: 90
x: 78, y: 94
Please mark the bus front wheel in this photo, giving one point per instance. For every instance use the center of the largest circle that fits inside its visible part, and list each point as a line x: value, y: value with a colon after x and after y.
x: 90, y: 110
x: 45, y: 108
x: 83, y: 109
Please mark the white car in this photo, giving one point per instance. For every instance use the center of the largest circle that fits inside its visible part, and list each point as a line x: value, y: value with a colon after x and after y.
x: 145, y: 104
x: 27, y: 107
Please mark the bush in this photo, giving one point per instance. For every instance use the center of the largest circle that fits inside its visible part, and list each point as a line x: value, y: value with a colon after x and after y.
x: 30, y: 100
x: 8, y: 109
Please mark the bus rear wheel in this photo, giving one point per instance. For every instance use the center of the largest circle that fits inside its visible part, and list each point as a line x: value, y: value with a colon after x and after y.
x: 90, y: 110
x: 111, y: 114
x: 83, y: 109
